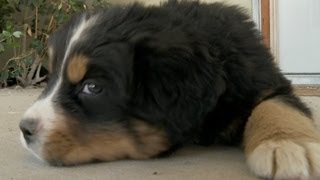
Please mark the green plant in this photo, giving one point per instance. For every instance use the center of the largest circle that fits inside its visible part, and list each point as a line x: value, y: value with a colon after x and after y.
x: 6, y: 9
x: 9, y: 39
x: 28, y: 34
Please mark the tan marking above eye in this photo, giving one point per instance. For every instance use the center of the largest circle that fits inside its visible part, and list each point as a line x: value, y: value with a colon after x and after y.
x: 77, y: 68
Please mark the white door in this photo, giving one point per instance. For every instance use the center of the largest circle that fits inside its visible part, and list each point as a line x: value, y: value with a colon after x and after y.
x: 298, y: 39
x: 299, y: 36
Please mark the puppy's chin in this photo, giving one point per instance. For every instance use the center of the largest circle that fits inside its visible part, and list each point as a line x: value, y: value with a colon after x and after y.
x: 34, y: 149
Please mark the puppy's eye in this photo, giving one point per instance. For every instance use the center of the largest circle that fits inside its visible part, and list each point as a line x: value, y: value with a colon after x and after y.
x: 91, y: 88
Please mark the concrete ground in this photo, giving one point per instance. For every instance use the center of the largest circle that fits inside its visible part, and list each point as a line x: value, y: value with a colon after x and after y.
x: 199, y: 163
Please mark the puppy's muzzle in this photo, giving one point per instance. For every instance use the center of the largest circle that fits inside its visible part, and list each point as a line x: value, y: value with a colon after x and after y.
x: 29, y: 129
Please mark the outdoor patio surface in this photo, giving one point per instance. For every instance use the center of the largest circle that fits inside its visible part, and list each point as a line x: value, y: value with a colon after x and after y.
x: 198, y: 163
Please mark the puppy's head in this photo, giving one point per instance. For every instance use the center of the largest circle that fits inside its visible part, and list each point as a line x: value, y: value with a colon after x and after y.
x: 82, y: 115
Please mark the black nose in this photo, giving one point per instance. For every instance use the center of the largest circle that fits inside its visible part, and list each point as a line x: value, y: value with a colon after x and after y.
x: 28, y: 128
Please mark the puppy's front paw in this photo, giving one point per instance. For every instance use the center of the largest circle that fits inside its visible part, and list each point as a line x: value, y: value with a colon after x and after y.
x: 285, y: 159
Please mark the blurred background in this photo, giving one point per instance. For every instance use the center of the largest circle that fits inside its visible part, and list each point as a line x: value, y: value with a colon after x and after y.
x: 290, y: 28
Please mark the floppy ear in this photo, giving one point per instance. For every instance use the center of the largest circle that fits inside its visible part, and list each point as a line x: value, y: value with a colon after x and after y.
x: 176, y: 80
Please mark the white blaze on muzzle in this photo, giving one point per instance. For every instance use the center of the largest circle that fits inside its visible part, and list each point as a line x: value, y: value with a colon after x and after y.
x: 40, y: 118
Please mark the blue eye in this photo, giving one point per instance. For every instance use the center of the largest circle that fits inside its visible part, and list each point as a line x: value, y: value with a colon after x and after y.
x: 91, y: 88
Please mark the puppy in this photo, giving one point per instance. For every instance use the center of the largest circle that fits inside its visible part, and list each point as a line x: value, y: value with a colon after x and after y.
x: 136, y: 82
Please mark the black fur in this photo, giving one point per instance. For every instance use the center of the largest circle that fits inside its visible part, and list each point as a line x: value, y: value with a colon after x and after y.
x: 195, y: 70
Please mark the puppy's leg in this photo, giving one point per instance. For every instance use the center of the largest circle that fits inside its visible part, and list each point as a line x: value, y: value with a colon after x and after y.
x: 281, y: 142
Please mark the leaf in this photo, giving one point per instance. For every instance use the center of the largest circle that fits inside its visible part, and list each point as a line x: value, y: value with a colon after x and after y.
x: 6, y: 34
x: 60, y: 6
x: 17, y: 34
x: 37, y: 45
x: 28, y: 61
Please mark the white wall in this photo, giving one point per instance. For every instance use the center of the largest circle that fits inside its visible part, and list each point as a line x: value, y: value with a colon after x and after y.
x: 244, y: 3
x: 299, y: 36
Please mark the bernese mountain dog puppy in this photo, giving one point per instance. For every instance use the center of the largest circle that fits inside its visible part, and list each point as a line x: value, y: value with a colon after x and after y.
x: 135, y: 82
